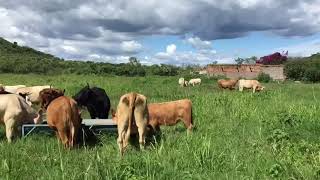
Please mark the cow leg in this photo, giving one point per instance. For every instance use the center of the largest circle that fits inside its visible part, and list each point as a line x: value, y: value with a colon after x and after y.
x: 73, y: 136
x: 10, y: 129
x: 121, y: 137
x: 63, y: 137
x: 188, y: 123
x: 120, y: 141
x: 142, y: 125
x: 254, y: 89
x: 240, y: 88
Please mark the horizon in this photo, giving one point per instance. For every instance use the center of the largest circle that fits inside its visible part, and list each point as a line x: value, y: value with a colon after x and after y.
x: 177, y: 33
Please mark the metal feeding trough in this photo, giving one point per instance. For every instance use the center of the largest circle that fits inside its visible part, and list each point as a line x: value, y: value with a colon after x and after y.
x: 96, y: 125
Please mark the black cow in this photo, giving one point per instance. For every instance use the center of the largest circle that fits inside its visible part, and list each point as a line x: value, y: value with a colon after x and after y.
x: 96, y: 101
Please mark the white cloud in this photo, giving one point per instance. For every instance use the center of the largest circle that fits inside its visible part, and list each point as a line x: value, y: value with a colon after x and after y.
x: 197, y: 43
x: 304, y: 49
x: 131, y: 46
x: 171, y: 49
x: 202, y: 57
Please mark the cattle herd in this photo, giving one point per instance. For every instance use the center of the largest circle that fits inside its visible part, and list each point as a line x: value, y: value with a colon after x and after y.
x: 133, y: 116
x: 227, y: 84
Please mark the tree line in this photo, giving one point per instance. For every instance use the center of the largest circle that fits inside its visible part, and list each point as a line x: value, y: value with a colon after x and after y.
x: 21, y: 60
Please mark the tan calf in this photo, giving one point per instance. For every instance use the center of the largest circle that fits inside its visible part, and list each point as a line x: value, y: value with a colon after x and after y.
x: 250, y: 84
x: 131, y: 116
x: 63, y: 116
x: 227, y: 84
x: 170, y: 113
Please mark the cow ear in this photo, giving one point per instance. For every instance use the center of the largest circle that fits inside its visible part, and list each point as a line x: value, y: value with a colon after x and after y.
x: 88, y: 85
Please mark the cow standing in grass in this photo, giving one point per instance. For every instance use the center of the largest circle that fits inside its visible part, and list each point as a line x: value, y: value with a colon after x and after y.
x: 227, y: 84
x: 96, y: 100
x: 170, y: 113
x: 250, y: 84
x: 14, y: 111
x: 182, y: 82
x: 63, y: 116
x: 131, y: 116
x: 195, y: 81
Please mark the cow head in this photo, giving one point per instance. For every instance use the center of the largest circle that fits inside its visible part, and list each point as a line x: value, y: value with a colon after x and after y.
x: 49, y: 94
x: 260, y: 88
x: 82, y: 96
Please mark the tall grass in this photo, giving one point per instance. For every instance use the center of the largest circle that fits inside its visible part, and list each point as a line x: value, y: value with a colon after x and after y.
x: 272, y: 134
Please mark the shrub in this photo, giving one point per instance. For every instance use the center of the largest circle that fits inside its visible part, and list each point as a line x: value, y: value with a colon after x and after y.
x: 312, y: 74
x: 263, y: 77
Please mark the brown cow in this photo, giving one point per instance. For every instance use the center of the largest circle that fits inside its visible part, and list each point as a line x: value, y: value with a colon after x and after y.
x: 227, y: 84
x: 170, y: 113
x: 63, y: 116
x: 49, y: 94
x: 131, y: 116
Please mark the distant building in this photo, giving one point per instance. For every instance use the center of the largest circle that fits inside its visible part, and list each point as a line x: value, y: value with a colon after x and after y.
x: 248, y: 71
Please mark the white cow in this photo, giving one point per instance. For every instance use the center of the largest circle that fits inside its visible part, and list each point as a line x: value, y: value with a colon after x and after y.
x: 250, y: 84
x: 13, y: 89
x: 14, y: 111
x: 32, y: 92
x: 195, y: 81
x: 183, y: 82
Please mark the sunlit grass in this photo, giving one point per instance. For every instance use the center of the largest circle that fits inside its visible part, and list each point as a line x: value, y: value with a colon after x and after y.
x: 272, y: 134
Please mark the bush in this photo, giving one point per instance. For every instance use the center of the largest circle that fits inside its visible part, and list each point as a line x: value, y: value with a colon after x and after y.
x: 312, y: 74
x: 304, y: 69
x: 263, y: 77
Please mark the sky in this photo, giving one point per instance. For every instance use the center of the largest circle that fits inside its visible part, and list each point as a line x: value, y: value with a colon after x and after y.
x: 175, y: 32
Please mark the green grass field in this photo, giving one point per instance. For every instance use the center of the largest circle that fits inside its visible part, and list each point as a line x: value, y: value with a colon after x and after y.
x: 272, y: 134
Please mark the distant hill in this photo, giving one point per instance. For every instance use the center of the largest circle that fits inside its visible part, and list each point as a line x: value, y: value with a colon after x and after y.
x: 21, y: 59
x: 13, y: 50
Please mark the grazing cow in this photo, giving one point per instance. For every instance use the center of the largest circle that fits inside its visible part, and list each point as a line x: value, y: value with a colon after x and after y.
x: 63, y: 116
x: 227, y: 84
x: 183, y: 82
x: 195, y: 81
x: 96, y: 100
x: 170, y: 113
x: 14, y: 112
x: 131, y: 116
x: 33, y: 92
x: 13, y: 89
x: 49, y: 94
x: 250, y: 84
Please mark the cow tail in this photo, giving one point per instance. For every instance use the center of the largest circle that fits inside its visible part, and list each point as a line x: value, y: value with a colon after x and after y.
x: 131, y: 111
x: 71, y: 127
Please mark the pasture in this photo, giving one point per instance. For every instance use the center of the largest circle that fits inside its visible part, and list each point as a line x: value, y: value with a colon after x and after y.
x: 272, y: 134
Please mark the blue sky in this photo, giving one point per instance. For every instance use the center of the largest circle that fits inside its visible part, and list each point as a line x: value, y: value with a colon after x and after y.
x: 174, y: 32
